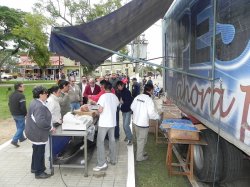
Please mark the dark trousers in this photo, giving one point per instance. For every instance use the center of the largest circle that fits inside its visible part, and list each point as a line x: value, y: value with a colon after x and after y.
x: 117, y: 128
x: 84, y: 100
x: 37, y: 163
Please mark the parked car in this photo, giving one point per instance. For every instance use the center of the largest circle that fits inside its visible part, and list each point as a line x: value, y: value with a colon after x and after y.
x: 6, y: 76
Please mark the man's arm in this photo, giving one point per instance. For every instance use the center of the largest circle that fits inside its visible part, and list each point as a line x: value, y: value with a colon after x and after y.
x: 100, y: 109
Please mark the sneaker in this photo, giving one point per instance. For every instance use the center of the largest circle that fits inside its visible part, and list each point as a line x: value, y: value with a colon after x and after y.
x: 99, y: 168
x: 22, y: 139
x: 143, y: 158
x: 145, y: 154
x: 111, y: 162
x: 130, y: 142
x: 15, y: 144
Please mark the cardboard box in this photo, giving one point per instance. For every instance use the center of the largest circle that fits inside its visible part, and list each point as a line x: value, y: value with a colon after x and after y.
x: 92, y: 113
x: 200, y: 127
x: 181, y: 134
x: 171, y: 114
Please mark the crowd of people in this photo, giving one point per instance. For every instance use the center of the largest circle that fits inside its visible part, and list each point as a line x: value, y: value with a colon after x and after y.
x: 110, y: 93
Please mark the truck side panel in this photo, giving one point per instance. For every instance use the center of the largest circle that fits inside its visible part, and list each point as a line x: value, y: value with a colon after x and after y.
x: 188, y: 34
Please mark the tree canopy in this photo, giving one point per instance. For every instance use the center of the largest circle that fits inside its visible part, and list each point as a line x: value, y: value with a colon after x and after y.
x: 21, y: 31
x: 74, y: 12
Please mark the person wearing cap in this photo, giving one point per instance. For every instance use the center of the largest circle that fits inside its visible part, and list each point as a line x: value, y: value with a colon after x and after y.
x: 135, y: 88
x: 37, y: 129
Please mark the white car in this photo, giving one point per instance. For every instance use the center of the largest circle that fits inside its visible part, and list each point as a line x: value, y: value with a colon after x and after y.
x: 6, y: 76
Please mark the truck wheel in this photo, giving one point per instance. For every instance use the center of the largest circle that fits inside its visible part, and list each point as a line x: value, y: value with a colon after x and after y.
x: 205, y: 158
x: 233, y: 162
x: 237, y: 183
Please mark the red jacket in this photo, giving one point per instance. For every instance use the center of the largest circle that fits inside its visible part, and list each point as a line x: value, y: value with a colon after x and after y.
x: 88, y: 91
x: 96, y: 97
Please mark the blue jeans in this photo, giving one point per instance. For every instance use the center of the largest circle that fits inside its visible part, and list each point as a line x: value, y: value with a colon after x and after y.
x: 75, y: 106
x: 20, y: 124
x: 126, y: 116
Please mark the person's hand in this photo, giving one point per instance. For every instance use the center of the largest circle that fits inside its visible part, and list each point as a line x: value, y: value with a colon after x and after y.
x: 84, y: 108
x: 121, y: 101
x: 92, y: 102
x: 53, y: 130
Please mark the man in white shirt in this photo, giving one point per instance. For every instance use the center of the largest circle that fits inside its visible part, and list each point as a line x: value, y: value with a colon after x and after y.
x: 82, y: 85
x: 108, y: 103
x: 143, y: 109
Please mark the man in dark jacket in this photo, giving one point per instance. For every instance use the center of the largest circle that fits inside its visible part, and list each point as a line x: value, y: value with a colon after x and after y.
x: 126, y: 99
x: 113, y: 80
x: 17, y: 106
x: 135, y: 88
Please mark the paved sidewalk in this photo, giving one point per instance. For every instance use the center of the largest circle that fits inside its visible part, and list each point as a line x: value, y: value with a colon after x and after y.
x: 15, y: 169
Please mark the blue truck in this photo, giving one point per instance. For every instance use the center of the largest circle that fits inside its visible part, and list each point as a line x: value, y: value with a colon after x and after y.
x: 206, y: 45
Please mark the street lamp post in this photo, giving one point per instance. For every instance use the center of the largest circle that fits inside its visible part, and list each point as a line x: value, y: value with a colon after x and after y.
x: 139, y: 51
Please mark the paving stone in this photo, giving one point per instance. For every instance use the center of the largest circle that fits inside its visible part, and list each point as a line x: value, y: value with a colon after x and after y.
x: 15, y: 170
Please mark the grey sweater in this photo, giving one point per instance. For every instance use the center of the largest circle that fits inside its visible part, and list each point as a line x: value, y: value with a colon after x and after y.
x: 64, y: 103
x: 75, y: 94
x: 38, y: 122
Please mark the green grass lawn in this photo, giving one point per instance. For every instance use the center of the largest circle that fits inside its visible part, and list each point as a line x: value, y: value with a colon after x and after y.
x: 153, y: 172
x: 13, y: 81
x: 5, y: 92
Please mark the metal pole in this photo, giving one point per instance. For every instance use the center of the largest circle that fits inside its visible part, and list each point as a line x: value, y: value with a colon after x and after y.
x: 131, y: 58
x: 212, y: 82
x: 59, y: 73
x: 213, y: 56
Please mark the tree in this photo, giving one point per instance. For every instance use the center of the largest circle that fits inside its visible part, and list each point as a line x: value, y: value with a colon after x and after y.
x: 159, y: 70
x: 34, y: 34
x: 104, y: 8
x: 23, y: 31
x: 123, y: 51
x: 72, y: 12
x: 88, y: 69
x: 9, y: 43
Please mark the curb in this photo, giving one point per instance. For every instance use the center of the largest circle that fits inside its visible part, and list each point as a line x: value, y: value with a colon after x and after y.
x: 5, y: 145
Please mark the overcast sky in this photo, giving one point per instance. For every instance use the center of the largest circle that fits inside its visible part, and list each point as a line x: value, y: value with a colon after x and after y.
x: 153, y: 34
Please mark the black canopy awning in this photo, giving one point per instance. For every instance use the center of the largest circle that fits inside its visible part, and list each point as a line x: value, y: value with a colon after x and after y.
x: 112, y: 31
